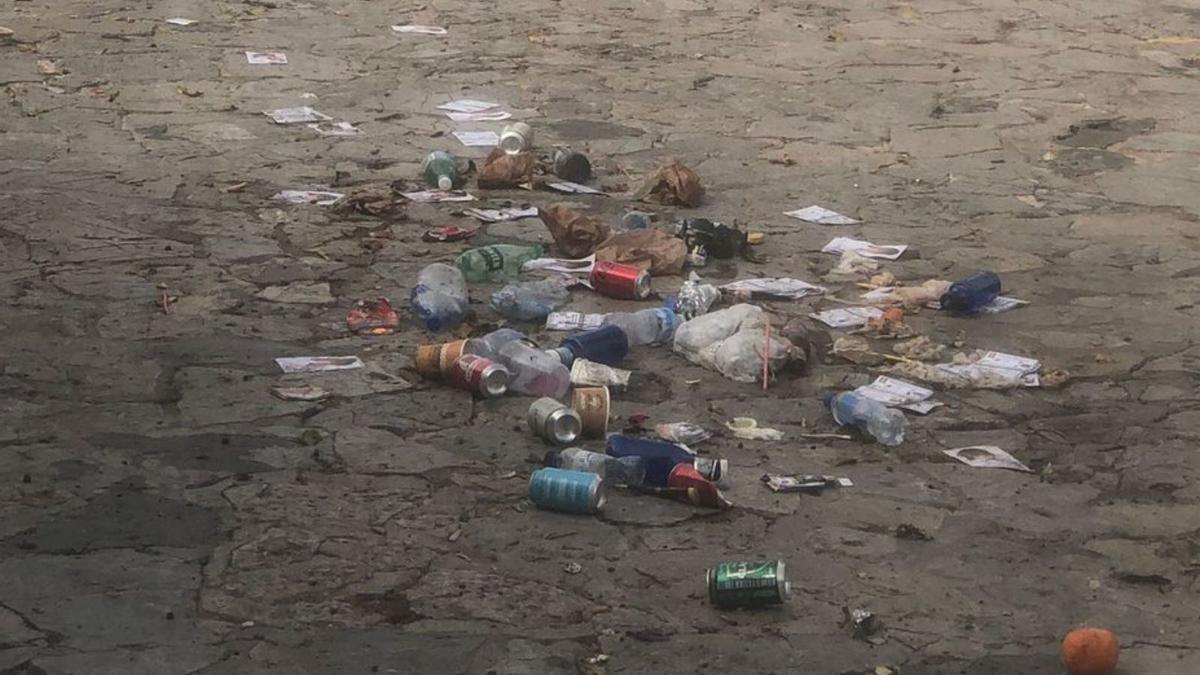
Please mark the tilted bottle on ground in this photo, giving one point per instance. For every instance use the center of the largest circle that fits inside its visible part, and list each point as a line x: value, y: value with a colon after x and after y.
x: 645, y: 327
x: 884, y: 424
x: 438, y: 170
x: 972, y: 293
x: 439, y: 300
x: 496, y: 262
x: 533, y: 371
x: 623, y: 470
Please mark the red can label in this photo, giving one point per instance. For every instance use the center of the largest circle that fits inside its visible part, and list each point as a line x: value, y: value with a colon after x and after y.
x: 617, y: 280
x: 694, y: 488
x: 467, y: 372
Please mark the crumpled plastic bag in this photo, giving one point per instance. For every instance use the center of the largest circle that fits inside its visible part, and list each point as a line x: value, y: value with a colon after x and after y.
x: 910, y: 296
x: 502, y: 170
x: 575, y: 234
x: 672, y: 183
x: 377, y: 202
x: 730, y: 341
x: 652, y: 250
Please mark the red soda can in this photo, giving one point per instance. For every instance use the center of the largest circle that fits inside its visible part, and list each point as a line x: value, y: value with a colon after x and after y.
x: 617, y: 280
x: 478, y: 376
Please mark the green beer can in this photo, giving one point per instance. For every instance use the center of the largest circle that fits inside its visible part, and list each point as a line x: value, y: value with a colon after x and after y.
x: 748, y: 584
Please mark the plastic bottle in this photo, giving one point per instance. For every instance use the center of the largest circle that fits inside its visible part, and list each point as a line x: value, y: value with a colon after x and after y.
x: 531, y: 300
x: 871, y: 417
x: 438, y: 170
x: 488, y: 346
x: 625, y: 470
x: 606, y: 344
x: 533, y: 372
x: 439, y: 299
x: 496, y: 262
x: 645, y: 327
x: 972, y: 293
x: 660, y: 457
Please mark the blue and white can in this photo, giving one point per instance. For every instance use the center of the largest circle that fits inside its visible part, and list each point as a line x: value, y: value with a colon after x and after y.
x: 567, y: 491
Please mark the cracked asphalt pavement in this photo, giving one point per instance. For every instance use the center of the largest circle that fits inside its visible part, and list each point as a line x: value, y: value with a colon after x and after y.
x: 162, y: 513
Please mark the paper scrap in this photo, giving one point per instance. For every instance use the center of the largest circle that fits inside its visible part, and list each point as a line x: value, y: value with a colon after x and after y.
x: 318, y: 197
x: 501, y: 215
x: 782, y: 287
x: 296, y: 115
x: 420, y: 30
x: 335, y: 129
x: 181, y: 22
x: 267, y: 58
x: 467, y: 105
x: 478, y: 139
x: 747, y: 428
x: 438, y: 196
x: 563, y: 265
x: 304, y: 392
x: 1002, y: 303
x: 485, y: 116
x: 821, y: 216
x: 840, y: 245
x: 896, y: 393
x: 996, y: 366
x: 317, y: 364
x: 573, y: 188
x: 847, y: 317
x: 573, y: 321
x: 987, y: 457
x: 590, y: 374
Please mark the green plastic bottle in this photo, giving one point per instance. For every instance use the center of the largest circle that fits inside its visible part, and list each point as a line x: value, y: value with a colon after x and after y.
x: 496, y: 262
x: 438, y: 170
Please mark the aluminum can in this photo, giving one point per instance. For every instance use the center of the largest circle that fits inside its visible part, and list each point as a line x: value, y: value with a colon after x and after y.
x: 748, y: 584
x: 567, y: 491
x: 617, y: 280
x: 572, y: 166
x: 479, y: 376
x: 554, y: 421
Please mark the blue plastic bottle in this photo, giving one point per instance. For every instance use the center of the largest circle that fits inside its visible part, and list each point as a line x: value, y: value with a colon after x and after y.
x: 606, y: 344
x: 972, y: 293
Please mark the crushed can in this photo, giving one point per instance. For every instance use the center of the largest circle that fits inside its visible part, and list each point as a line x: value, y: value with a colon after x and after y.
x: 748, y: 584
x: 554, y: 421
x: 618, y: 280
x: 479, y: 376
x: 572, y: 166
x: 436, y: 360
x: 592, y: 405
x: 516, y: 137
x: 567, y: 491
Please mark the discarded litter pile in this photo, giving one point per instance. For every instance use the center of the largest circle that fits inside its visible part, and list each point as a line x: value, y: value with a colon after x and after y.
x: 719, y: 328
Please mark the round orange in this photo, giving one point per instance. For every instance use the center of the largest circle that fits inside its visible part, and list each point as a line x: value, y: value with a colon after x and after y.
x: 1090, y: 651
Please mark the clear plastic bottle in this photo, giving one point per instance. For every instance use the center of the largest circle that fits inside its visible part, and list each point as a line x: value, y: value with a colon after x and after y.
x: 531, y: 300
x: 645, y: 327
x: 533, y: 372
x: 439, y: 300
x: 871, y: 417
x: 488, y: 346
x: 496, y: 262
x: 623, y: 470
x: 438, y: 170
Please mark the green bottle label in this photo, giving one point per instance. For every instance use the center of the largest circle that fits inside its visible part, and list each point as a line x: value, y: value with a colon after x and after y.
x: 492, y: 258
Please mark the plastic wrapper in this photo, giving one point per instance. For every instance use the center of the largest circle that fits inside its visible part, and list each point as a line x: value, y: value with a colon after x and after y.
x: 732, y: 341
x: 696, y: 298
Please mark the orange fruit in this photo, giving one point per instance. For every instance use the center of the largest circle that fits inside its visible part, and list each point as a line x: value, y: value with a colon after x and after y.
x: 1090, y: 651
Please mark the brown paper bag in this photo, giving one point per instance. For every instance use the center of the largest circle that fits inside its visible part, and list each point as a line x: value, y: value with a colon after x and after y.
x: 672, y: 183
x: 652, y: 250
x: 502, y: 170
x: 575, y: 234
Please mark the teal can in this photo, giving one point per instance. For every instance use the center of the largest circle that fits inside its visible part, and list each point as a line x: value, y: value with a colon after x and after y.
x: 567, y: 491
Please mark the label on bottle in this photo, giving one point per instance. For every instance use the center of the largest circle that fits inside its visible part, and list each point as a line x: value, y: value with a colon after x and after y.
x: 492, y: 258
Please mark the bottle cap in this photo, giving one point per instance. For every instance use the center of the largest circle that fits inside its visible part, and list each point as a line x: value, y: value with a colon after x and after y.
x: 445, y: 183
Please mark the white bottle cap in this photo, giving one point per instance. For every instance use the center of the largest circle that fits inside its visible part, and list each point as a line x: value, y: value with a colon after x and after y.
x: 444, y: 183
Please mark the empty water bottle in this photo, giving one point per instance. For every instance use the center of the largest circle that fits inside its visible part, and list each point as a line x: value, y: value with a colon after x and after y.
x: 869, y: 416
x: 623, y: 470
x: 660, y: 457
x: 496, y: 262
x: 439, y: 299
x: 438, y: 170
x: 606, y: 344
x: 488, y: 346
x: 532, y: 300
x: 972, y: 294
x: 645, y: 327
x: 533, y: 372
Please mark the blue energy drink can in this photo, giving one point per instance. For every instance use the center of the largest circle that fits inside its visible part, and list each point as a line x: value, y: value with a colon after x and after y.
x: 567, y: 491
